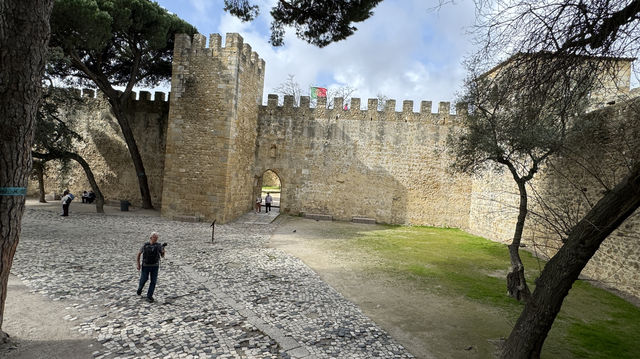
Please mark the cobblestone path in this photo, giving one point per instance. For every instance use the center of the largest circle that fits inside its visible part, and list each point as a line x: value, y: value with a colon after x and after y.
x: 235, y: 298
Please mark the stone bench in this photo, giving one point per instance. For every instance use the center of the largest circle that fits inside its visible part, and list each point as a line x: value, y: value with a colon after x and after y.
x: 363, y: 220
x: 319, y: 217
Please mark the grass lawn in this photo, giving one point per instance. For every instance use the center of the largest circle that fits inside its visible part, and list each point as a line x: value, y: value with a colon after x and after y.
x: 270, y: 189
x: 450, y: 263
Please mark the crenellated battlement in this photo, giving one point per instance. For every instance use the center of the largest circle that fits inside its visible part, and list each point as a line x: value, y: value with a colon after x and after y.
x: 138, y: 96
x: 370, y: 113
x: 234, y: 45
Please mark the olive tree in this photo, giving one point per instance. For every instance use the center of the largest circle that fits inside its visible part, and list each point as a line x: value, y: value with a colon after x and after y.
x: 520, y: 116
x: 575, y: 31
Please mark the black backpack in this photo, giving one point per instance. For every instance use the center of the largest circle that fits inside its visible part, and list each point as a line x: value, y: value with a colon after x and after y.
x: 150, y: 254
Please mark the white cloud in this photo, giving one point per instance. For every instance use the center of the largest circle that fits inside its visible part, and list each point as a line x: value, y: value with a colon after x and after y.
x: 405, y: 51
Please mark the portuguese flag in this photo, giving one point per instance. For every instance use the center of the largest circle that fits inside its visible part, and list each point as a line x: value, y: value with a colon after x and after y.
x: 318, y: 92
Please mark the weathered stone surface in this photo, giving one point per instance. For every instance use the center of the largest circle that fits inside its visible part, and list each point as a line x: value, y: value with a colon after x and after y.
x: 390, y: 166
x: 104, y: 148
x: 212, y: 128
x: 192, y: 219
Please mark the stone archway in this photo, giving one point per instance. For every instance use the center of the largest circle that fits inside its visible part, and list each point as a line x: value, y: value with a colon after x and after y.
x: 269, y: 182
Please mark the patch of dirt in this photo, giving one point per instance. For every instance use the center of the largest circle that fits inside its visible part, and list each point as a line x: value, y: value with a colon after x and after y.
x: 428, y: 325
x: 37, y: 329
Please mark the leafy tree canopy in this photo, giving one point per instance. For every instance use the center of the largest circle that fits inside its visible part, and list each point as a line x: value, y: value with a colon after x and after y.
x: 52, y: 134
x: 317, y: 22
x: 119, y: 42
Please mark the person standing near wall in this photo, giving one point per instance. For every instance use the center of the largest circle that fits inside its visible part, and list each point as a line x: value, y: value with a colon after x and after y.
x: 267, y: 203
x: 258, y: 204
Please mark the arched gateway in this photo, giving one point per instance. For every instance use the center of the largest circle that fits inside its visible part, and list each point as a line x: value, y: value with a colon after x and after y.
x: 268, y: 182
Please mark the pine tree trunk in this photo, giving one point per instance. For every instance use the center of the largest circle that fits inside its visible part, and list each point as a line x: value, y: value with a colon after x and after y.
x: 91, y: 178
x: 555, y: 281
x: 39, y: 168
x: 516, y: 281
x: 125, y: 126
x: 24, y: 33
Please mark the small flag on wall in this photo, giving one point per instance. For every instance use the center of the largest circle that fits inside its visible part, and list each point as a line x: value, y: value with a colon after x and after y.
x: 318, y: 92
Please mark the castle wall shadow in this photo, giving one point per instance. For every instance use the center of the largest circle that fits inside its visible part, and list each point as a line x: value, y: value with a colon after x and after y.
x: 361, y: 163
x: 105, y: 150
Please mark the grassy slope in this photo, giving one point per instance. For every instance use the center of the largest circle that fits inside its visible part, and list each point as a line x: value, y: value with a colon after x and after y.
x: 451, y: 263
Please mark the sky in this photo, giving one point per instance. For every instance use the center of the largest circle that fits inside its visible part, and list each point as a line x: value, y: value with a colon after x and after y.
x: 408, y: 49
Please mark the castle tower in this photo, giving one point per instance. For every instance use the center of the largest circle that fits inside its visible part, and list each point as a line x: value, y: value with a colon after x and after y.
x: 211, y: 134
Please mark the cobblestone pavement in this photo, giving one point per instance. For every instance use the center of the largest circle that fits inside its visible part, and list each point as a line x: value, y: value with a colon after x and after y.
x: 234, y: 298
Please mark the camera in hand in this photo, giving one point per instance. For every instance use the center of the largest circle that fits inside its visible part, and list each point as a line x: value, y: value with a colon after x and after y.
x: 164, y: 244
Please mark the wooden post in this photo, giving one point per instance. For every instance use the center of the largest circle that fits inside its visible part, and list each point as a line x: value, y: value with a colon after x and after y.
x: 213, y: 228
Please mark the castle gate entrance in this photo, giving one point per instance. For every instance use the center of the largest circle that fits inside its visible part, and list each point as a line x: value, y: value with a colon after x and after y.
x: 269, y: 183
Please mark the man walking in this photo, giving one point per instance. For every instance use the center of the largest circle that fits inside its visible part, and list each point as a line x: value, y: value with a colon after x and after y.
x: 150, y: 252
x: 267, y: 202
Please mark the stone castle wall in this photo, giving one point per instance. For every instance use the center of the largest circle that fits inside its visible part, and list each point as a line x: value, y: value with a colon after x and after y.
x: 385, y: 165
x: 389, y: 166
x: 103, y: 147
x: 212, y: 128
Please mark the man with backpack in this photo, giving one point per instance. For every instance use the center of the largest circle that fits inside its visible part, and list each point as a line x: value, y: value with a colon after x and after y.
x: 150, y: 252
x: 67, y: 197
